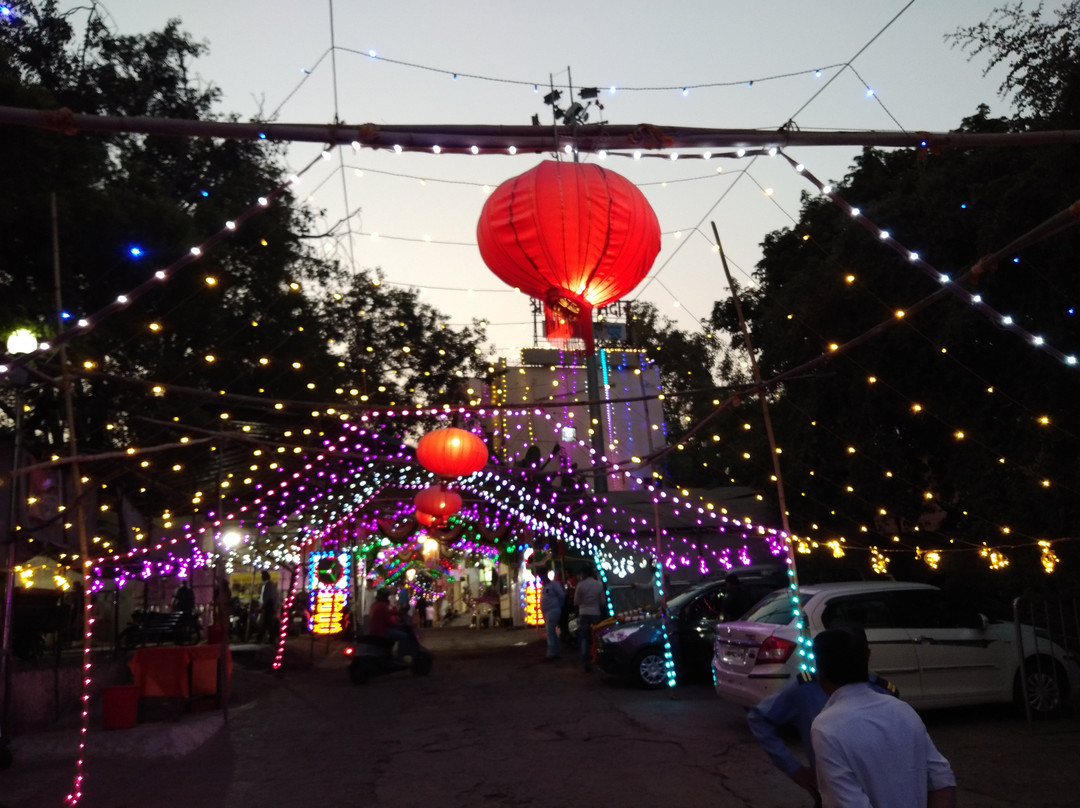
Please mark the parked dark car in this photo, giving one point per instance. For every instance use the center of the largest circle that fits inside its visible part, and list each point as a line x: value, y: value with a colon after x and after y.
x: 632, y: 643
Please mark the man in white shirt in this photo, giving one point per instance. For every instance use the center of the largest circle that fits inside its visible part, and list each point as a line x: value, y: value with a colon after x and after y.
x: 871, y: 749
x: 589, y: 598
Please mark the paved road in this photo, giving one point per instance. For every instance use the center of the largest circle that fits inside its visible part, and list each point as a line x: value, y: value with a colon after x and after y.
x: 493, y: 725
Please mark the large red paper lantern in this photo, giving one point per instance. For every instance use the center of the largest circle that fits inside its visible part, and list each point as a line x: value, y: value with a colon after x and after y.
x: 438, y: 501
x: 451, y: 452
x: 574, y: 236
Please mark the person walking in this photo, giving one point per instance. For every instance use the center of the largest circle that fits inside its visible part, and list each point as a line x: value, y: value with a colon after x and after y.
x: 589, y: 599
x: 268, y: 603
x: 552, y: 597
x: 796, y: 705
x: 568, y: 607
x: 184, y: 599
x: 870, y: 748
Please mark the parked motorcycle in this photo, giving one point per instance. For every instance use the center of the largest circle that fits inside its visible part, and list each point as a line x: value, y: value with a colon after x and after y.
x: 178, y: 628
x: 243, y: 619
x: 370, y: 655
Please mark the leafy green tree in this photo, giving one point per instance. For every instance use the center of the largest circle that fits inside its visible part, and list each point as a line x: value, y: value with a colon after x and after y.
x: 256, y: 321
x: 397, y: 349
x: 942, y: 427
x: 686, y: 360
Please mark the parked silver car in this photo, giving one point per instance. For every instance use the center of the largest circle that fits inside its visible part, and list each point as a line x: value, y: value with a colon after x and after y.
x: 938, y: 651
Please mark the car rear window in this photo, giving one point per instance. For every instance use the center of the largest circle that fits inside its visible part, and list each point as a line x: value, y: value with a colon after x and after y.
x: 869, y: 610
x: 776, y: 609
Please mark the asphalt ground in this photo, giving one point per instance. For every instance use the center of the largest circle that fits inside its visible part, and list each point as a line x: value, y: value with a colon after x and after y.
x: 493, y: 725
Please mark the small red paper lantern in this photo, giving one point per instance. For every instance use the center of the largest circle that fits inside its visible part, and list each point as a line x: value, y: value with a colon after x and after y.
x: 451, y: 452
x: 438, y: 502
x: 574, y: 236
x: 429, y: 519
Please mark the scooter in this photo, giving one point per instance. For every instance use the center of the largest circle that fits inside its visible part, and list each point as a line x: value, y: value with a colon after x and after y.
x: 370, y: 655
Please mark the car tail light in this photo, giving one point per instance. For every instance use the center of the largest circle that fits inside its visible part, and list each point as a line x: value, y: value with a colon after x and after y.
x: 774, y: 650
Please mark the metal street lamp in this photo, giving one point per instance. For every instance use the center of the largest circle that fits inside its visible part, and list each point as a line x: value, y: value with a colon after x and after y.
x: 19, y: 342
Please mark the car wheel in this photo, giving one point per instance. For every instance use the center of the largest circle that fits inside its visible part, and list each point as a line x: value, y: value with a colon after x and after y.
x: 650, y: 668
x: 1046, y: 685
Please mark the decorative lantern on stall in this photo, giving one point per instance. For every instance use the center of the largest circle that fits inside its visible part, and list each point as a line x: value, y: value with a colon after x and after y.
x: 451, y: 452
x: 437, y: 502
x: 574, y: 236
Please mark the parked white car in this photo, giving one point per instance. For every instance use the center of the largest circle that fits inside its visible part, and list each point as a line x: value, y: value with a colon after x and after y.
x: 937, y: 651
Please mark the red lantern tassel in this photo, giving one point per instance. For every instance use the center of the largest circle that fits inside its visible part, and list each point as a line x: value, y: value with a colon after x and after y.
x: 567, y: 319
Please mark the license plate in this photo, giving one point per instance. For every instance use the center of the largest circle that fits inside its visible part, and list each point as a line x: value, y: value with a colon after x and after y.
x: 734, y: 655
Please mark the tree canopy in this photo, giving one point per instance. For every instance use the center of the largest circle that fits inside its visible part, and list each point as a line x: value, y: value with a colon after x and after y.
x: 215, y: 348
x: 946, y: 429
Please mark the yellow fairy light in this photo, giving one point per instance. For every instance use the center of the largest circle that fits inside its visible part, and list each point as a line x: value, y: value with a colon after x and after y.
x: 996, y: 559
x: 1049, y: 559
x: 932, y: 559
x: 836, y: 548
x: 801, y: 546
x: 879, y: 562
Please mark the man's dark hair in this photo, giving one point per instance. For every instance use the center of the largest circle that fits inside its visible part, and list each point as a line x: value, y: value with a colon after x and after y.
x: 840, y: 656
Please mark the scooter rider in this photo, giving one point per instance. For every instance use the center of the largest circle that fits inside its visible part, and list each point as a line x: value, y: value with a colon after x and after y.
x: 381, y: 623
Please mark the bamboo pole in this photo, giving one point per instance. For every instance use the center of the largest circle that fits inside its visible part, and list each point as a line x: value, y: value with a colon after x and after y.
x: 536, y: 139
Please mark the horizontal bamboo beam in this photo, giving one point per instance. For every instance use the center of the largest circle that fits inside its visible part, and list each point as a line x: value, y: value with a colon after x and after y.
x: 487, y: 139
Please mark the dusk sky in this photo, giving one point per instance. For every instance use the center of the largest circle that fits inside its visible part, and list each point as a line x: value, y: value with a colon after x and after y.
x: 744, y: 66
